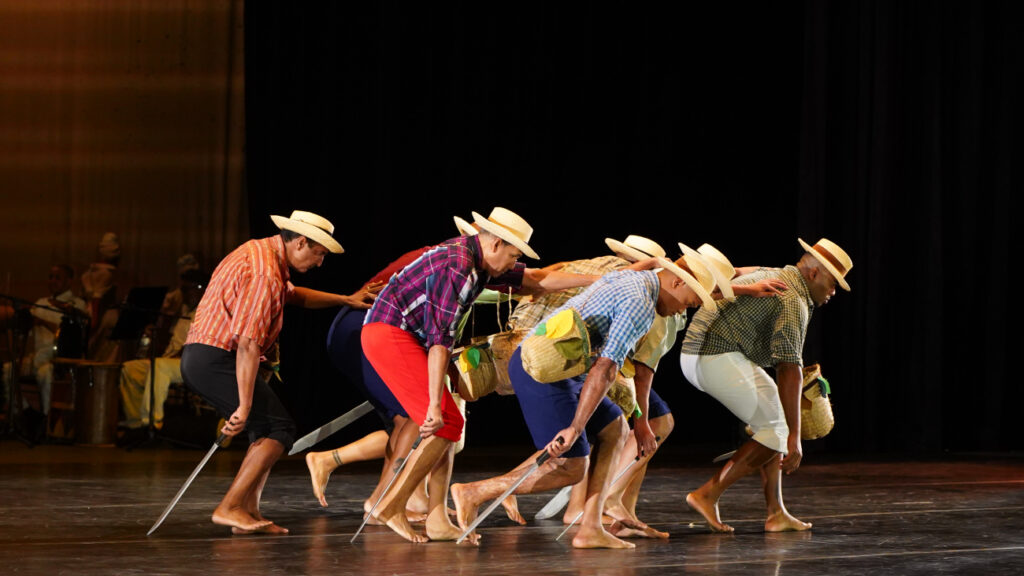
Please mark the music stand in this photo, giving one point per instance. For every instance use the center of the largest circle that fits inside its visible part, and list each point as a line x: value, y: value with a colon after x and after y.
x: 142, y: 308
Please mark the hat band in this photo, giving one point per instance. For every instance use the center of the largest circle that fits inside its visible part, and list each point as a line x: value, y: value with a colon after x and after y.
x: 640, y: 250
x: 510, y: 230
x: 324, y: 230
x: 831, y: 259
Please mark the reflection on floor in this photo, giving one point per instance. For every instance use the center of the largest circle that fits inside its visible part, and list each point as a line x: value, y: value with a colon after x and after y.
x: 80, y: 510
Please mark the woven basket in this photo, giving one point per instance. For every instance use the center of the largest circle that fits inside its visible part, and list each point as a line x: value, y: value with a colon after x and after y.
x: 623, y: 393
x: 559, y: 348
x: 477, y: 375
x: 503, y: 345
x: 816, y: 419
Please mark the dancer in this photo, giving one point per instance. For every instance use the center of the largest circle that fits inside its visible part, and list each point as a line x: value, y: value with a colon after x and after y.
x: 239, y: 319
x: 724, y: 354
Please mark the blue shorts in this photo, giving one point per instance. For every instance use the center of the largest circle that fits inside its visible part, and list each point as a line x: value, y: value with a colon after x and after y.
x: 346, y: 352
x: 549, y: 408
x: 656, y: 406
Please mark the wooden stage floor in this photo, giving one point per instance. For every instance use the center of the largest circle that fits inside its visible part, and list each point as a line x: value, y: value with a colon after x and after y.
x: 84, y: 511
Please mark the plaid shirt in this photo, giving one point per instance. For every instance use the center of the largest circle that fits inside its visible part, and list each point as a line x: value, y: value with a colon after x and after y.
x: 618, y: 309
x: 429, y: 296
x: 655, y: 344
x: 766, y: 330
x: 245, y: 297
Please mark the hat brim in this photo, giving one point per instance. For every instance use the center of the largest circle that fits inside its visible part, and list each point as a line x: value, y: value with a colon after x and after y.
x: 705, y: 296
x: 504, y: 234
x: 828, y: 265
x: 627, y: 252
x: 309, y: 231
x: 724, y: 284
x: 465, y: 228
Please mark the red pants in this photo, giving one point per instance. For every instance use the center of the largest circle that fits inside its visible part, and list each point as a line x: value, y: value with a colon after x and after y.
x: 401, y: 362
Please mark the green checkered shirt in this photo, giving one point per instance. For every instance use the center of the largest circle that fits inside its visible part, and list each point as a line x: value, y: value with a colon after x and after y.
x: 766, y: 330
x: 659, y: 339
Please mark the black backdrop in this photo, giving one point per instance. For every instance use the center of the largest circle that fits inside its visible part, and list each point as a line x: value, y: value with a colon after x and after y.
x: 890, y: 128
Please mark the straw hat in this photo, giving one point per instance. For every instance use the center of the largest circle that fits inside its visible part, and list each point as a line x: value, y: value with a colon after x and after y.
x: 702, y: 281
x: 635, y: 248
x: 721, y: 268
x: 508, y: 226
x: 834, y: 258
x: 465, y: 228
x: 316, y: 228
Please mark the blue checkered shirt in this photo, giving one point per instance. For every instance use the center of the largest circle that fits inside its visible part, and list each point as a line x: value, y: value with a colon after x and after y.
x: 618, y: 309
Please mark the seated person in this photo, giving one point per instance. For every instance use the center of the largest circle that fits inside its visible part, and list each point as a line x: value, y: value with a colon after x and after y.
x: 48, y: 314
x: 135, y: 379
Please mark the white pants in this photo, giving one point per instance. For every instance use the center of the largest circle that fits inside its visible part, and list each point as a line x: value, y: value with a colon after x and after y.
x: 135, y: 389
x: 745, y: 389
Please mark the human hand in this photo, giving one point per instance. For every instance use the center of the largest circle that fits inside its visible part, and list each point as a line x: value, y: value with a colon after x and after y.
x: 791, y: 461
x: 646, y: 442
x: 364, y: 298
x: 762, y: 289
x: 236, y: 423
x: 433, y: 422
x: 562, y: 442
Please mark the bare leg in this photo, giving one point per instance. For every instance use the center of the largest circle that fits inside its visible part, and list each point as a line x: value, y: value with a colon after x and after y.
x: 748, y: 458
x: 591, y: 533
x: 439, y: 525
x: 322, y: 464
x: 423, y: 460
x: 233, y: 509
x: 400, y: 442
x: 624, y: 494
x: 253, y: 507
x: 577, y: 498
x: 555, y: 473
x: 779, y: 519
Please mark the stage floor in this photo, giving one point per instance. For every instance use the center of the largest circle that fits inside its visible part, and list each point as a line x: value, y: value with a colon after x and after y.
x: 78, y: 510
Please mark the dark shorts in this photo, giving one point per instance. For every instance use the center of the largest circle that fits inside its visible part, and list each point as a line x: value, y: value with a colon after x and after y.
x: 549, y: 408
x: 210, y: 372
x: 656, y: 406
x: 346, y: 352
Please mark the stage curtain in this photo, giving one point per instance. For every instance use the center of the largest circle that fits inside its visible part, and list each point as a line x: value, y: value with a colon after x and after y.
x: 120, y: 116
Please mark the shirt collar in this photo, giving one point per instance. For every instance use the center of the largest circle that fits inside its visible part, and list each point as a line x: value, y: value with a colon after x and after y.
x: 277, y: 245
x: 800, y: 285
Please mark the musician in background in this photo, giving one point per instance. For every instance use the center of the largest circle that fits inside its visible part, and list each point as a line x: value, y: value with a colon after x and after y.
x: 48, y: 314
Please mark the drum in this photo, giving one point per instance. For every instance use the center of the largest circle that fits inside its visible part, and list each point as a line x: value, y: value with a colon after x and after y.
x: 71, y: 337
x: 96, y: 401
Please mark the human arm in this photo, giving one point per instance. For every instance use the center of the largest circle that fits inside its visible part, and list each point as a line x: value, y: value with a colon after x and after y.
x: 309, y: 298
x: 790, y: 382
x: 761, y: 289
x: 247, y: 363
x: 599, y: 380
x: 438, y: 357
x: 645, y: 440
x: 538, y: 281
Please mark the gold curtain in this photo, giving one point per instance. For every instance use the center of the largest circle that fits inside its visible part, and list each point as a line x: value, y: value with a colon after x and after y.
x: 122, y: 116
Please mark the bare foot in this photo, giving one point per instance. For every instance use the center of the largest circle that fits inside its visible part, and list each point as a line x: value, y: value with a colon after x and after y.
x: 415, y: 517
x: 400, y: 525
x: 709, y: 510
x: 466, y: 507
x: 571, y: 513
x: 268, y: 529
x: 620, y: 530
x: 237, y: 518
x: 785, y: 522
x: 319, y: 474
x: 598, y: 538
x: 622, y: 516
x: 511, y: 506
x: 418, y: 503
x: 440, y: 528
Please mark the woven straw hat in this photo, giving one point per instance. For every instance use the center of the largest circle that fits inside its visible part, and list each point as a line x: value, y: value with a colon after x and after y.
x: 635, y: 248
x: 312, y: 226
x: 721, y: 268
x: 701, y: 280
x: 832, y: 257
x: 508, y: 226
x: 465, y: 228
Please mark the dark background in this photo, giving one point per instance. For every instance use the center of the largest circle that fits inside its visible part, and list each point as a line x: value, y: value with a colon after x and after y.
x: 888, y: 127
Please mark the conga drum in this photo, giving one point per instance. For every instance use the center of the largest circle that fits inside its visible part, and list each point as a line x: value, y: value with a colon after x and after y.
x: 96, y: 402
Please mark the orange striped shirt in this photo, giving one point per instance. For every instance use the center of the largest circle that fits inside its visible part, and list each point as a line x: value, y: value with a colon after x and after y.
x: 245, y: 297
